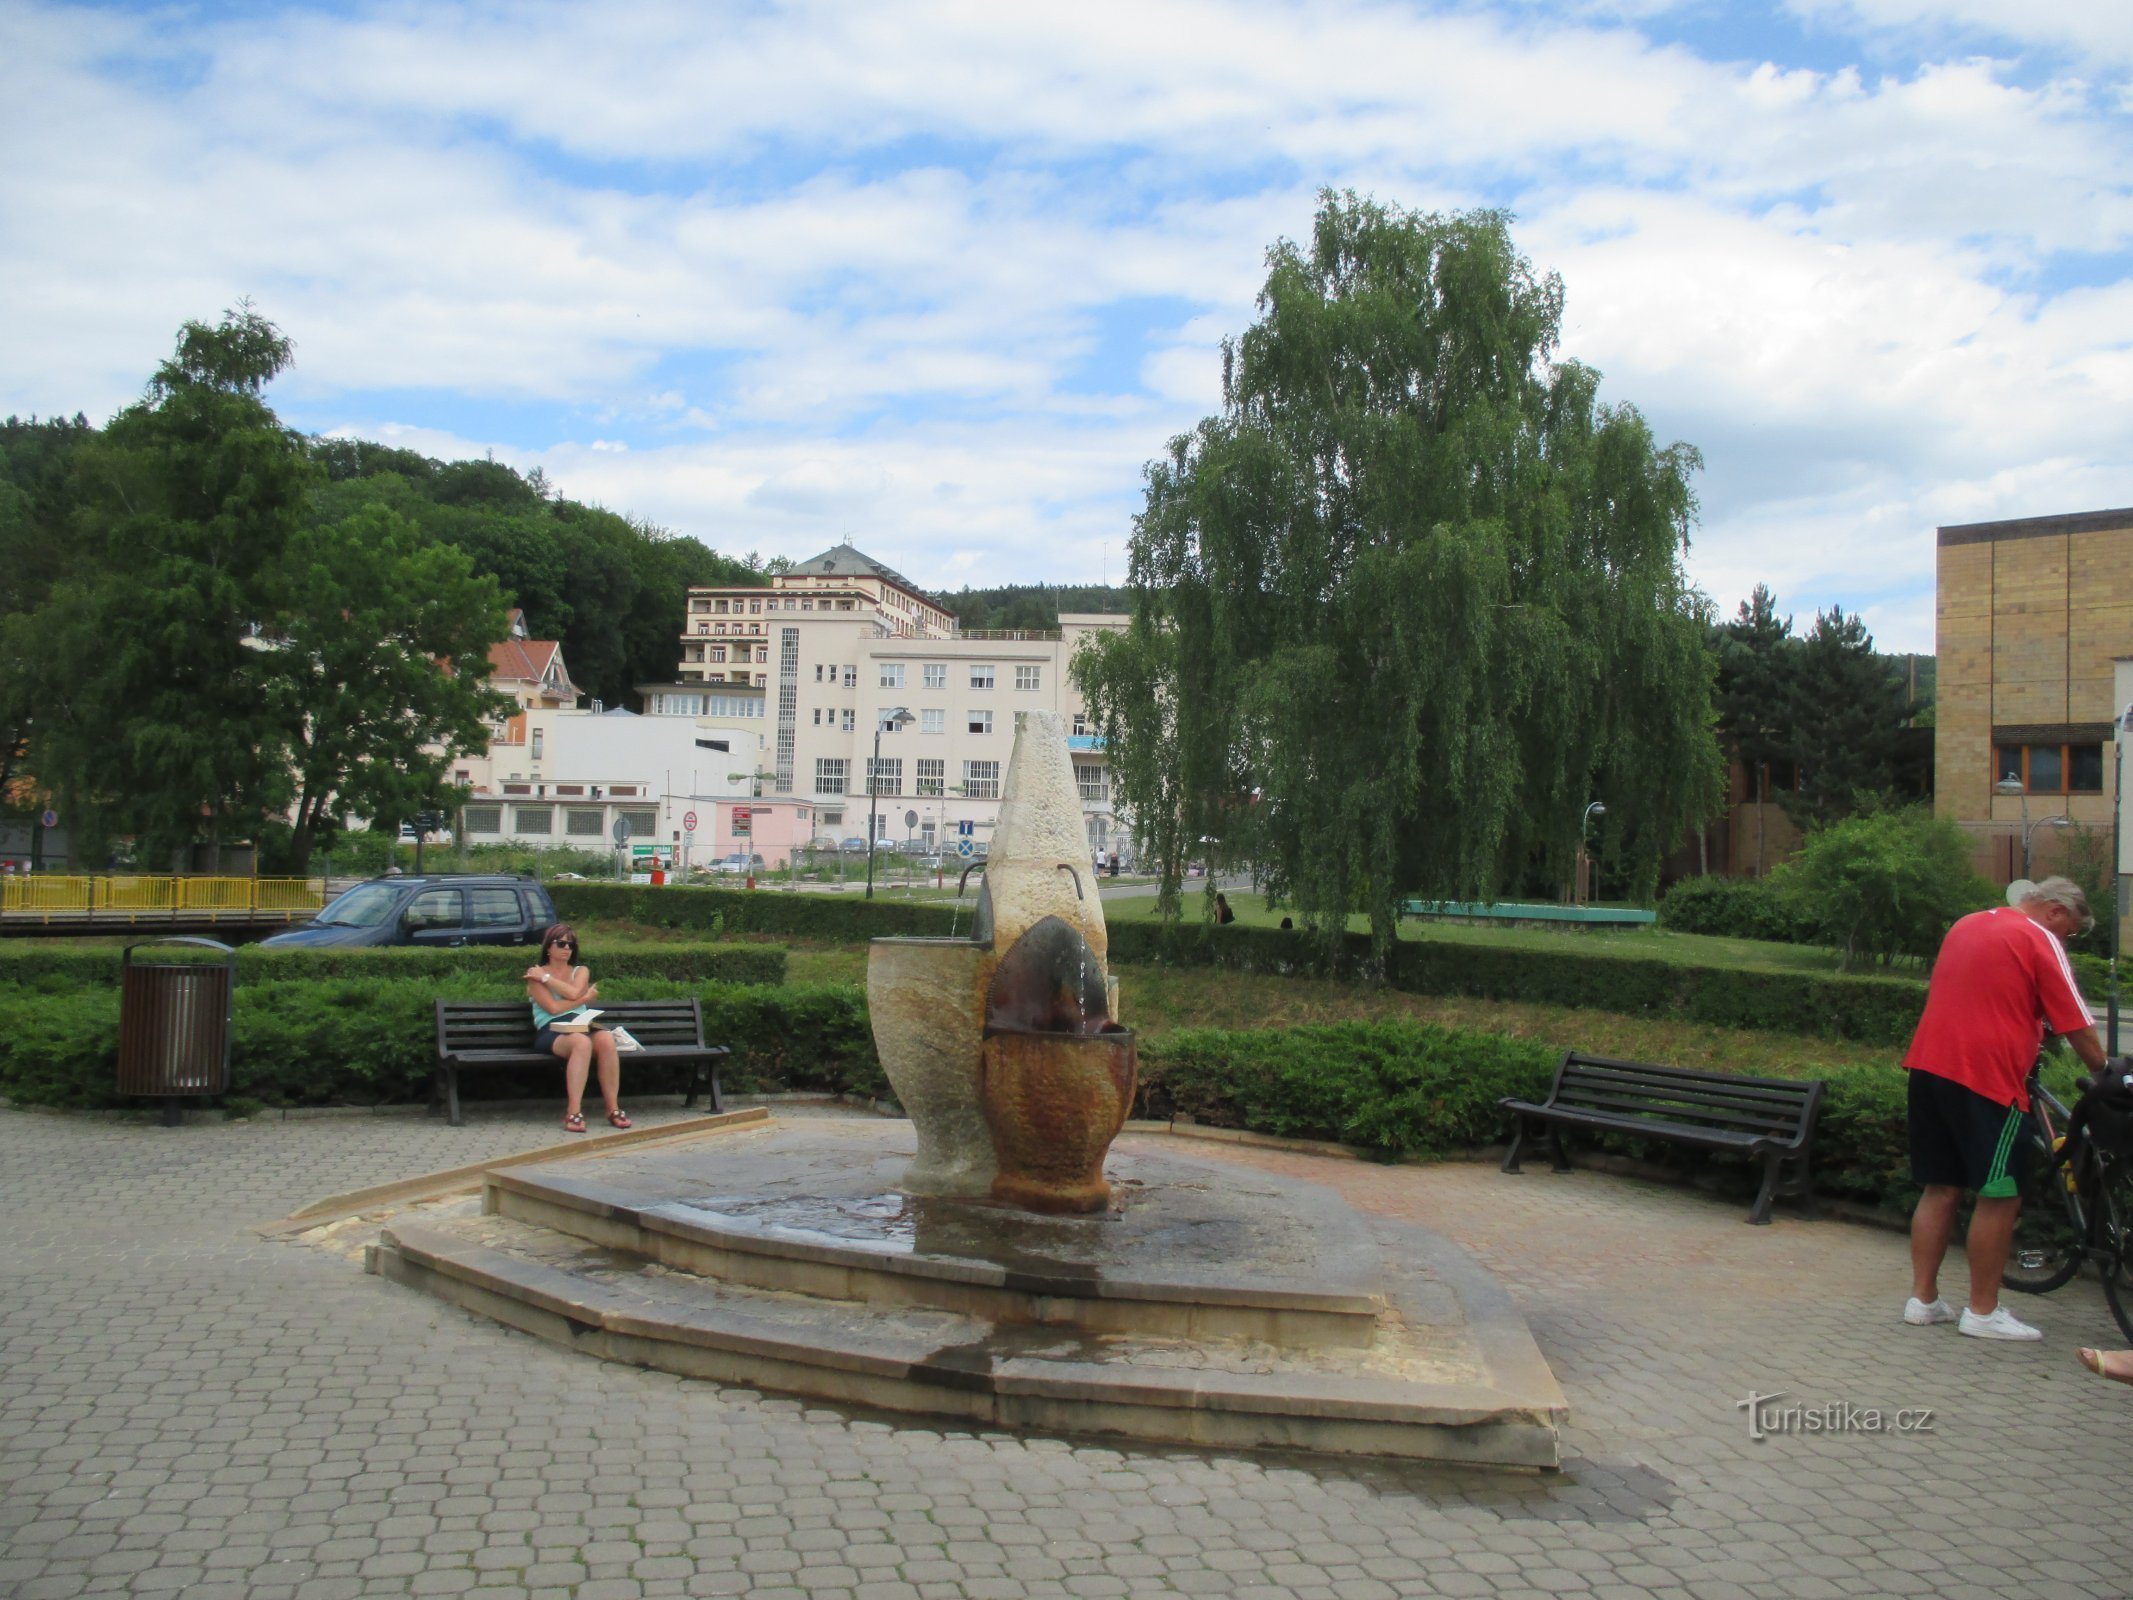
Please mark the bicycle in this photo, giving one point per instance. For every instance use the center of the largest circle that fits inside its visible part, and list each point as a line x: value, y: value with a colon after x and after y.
x: 2077, y: 1202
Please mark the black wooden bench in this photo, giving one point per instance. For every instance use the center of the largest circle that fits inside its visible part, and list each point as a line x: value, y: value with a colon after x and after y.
x: 474, y: 1034
x: 1768, y: 1120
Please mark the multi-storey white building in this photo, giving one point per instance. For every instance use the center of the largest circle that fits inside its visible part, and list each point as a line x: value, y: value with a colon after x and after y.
x: 835, y: 649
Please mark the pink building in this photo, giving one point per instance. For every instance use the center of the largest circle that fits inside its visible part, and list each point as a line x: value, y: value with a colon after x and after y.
x: 769, y: 828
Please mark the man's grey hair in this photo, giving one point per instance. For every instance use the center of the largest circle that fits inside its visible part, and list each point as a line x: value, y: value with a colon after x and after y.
x: 2063, y: 892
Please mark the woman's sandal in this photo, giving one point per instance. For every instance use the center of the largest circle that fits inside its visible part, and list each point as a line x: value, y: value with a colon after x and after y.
x: 2116, y: 1365
x: 574, y: 1123
x: 619, y: 1119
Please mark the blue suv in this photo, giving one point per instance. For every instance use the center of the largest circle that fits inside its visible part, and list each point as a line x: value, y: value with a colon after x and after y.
x: 429, y: 912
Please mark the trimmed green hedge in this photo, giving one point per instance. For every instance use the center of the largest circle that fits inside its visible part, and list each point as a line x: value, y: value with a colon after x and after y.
x: 847, y: 917
x: 372, y: 1040
x: 1408, y: 1088
x: 1734, y: 908
x: 45, y: 964
x: 1869, y: 1009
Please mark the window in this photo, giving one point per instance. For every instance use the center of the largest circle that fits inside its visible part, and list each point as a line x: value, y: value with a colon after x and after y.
x: 829, y: 775
x: 581, y: 822
x: 762, y: 655
x: 533, y: 819
x: 484, y: 819
x: 935, y: 674
x: 493, y: 908
x: 932, y: 776
x: 818, y: 716
x: 935, y: 721
x: 570, y: 788
x: 851, y: 677
x: 885, y: 776
x: 643, y: 824
x: 1093, y: 780
x: 833, y: 818
x: 818, y: 672
x: 981, y: 780
x: 2052, y: 768
x: 981, y: 677
x: 435, y: 908
x: 1028, y: 677
x: 538, y: 741
x: 1081, y: 724
x: 892, y: 674
x: 981, y: 722
x: 755, y: 607
x: 848, y: 723
x: 718, y: 652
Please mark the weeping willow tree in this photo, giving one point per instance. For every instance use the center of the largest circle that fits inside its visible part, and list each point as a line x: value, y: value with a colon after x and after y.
x: 1413, y: 599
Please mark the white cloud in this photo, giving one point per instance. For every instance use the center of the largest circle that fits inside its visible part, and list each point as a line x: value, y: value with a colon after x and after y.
x: 823, y: 271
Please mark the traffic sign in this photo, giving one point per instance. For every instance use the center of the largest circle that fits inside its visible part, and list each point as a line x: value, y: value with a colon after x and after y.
x: 620, y: 832
x: 910, y: 819
x: 965, y: 848
x: 965, y: 829
x: 688, y: 835
x: 688, y: 822
x: 50, y: 818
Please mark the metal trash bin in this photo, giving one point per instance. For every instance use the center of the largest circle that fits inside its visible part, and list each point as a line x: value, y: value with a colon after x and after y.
x: 174, y: 1024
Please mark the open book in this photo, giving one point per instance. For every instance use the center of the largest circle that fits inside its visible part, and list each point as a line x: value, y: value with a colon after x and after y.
x: 574, y: 1021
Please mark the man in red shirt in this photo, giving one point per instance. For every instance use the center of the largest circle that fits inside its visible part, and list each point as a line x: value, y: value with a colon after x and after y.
x: 2000, y: 983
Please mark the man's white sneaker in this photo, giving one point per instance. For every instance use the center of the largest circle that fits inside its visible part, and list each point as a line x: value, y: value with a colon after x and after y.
x: 2001, y: 1324
x: 1919, y: 1315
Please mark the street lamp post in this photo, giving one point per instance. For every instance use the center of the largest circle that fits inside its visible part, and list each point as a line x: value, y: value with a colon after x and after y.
x: 2119, y: 734
x: 896, y: 717
x: 1596, y: 809
x: 2029, y: 829
x: 2012, y: 785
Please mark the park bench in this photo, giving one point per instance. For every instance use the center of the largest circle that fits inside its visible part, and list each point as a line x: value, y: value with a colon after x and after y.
x: 475, y: 1034
x: 1771, y: 1121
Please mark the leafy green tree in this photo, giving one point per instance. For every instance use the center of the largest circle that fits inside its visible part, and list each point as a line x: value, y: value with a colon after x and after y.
x: 1414, y: 598
x: 150, y: 705
x: 1849, y: 711
x: 1885, y: 885
x: 379, y: 668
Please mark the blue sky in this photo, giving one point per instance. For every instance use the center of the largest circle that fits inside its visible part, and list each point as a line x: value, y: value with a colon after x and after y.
x: 940, y: 278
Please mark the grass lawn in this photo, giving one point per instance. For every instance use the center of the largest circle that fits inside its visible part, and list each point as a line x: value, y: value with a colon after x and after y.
x: 1662, y: 944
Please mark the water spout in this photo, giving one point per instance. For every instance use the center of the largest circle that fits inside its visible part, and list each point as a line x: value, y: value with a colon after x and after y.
x: 1068, y: 868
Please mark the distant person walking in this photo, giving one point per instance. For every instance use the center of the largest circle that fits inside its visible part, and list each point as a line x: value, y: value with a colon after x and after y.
x: 2000, y: 983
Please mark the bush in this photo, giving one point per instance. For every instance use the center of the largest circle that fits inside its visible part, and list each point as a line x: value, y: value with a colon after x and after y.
x: 1407, y: 1088
x: 372, y: 1040
x: 62, y: 965
x: 846, y: 918
x: 1872, y: 1010
x: 1885, y: 885
x: 1733, y: 908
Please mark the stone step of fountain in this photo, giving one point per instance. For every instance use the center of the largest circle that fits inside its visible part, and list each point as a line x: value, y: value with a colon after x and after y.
x: 1459, y: 1381
x: 1182, y: 1258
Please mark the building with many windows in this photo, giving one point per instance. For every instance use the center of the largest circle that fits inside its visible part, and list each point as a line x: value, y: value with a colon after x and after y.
x: 842, y: 645
x: 2035, y: 644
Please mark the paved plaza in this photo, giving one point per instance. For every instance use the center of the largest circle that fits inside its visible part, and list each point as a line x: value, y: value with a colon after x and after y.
x: 188, y: 1409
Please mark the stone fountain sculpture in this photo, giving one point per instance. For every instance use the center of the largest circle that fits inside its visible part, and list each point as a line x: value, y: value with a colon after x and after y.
x: 1003, y: 1047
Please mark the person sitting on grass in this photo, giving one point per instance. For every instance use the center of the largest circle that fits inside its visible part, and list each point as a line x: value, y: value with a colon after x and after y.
x: 558, y: 990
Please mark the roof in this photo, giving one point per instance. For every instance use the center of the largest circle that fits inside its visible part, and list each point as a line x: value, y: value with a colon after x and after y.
x: 844, y: 561
x: 2035, y: 527
x: 529, y: 661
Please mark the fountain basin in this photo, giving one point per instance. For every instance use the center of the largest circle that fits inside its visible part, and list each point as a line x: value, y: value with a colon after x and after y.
x: 926, y: 1001
x: 1054, y: 1102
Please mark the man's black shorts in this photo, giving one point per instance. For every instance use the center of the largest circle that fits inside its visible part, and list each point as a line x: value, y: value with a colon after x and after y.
x: 1959, y: 1137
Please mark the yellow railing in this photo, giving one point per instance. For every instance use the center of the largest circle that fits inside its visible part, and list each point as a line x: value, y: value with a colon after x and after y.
x: 132, y: 898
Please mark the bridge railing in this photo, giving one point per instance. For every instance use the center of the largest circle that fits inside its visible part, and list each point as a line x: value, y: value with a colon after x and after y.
x: 130, y: 898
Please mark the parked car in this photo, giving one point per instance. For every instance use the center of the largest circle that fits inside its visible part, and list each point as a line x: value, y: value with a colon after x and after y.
x: 854, y: 847
x: 431, y: 911
x: 739, y: 865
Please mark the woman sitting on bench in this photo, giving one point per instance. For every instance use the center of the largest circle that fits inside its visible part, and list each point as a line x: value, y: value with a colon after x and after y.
x: 559, y: 990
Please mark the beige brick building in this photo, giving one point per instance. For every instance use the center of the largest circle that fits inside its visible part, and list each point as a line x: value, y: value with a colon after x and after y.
x: 2035, y: 639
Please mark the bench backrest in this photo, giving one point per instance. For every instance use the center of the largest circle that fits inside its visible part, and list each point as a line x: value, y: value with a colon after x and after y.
x: 473, y: 1026
x: 1780, y: 1107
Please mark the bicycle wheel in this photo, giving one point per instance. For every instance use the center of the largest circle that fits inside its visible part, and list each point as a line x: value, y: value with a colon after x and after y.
x: 2114, y: 1231
x: 2049, y: 1230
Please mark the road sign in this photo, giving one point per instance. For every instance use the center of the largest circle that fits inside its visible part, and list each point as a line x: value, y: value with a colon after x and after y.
x: 50, y: 819
x: 910, y: 819
x: 965, y: 848
x: 688, y: 835
x: 688, y: 822
x: 965, y: 829
x: 620, y: 832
